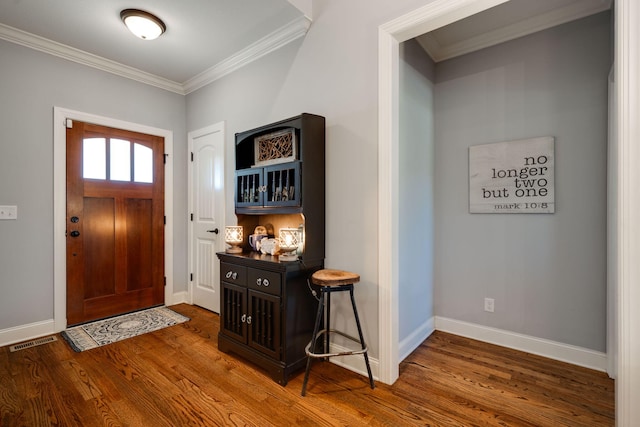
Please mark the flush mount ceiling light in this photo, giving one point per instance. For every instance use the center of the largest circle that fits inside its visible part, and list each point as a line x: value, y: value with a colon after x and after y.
x: 143, y: 24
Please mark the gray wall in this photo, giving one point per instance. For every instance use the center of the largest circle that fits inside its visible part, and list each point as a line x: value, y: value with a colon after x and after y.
x: 416, y: 193
x: 331, y: 72
x: 550, y: 286
x: 31, y: 84
x: 547, y: 272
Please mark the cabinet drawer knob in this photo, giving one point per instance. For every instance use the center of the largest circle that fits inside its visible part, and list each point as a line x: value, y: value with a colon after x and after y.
x: 228, y: 275
x: 234, y: 275
x: 243, y: 318
x: 265, y: 282
x: 248, y: 320
x: 259, y: 281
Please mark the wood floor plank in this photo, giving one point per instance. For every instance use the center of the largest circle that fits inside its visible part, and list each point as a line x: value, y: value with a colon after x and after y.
x: 566, y: 380
x: 495, y: 396
x: 177, y: 377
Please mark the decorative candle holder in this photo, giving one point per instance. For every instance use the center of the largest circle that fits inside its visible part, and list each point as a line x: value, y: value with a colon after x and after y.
x: 233, y: 237
x: 289, y: 241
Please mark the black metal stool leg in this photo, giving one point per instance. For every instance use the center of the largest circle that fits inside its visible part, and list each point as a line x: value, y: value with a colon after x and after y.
x: 324, y: 309
x: 316, y: 329
x: 327, y: 320
x: 366, y: 356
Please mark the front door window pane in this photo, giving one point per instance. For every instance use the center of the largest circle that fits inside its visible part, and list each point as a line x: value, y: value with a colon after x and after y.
x: 142, y: 163
x: 120, y: 160
x: 94, y: 158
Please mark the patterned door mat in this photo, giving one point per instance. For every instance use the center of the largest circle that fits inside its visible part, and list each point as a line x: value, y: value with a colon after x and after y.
x: 107, y: 331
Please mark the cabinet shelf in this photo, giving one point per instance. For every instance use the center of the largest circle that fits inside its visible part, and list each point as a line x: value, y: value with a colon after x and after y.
x: 259, y: 190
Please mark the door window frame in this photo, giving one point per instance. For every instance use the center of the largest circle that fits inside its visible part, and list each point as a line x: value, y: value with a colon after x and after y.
x: 60, y: 117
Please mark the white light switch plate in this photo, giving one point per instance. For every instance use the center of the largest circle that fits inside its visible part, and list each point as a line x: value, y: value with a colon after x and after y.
x: 8, y: 212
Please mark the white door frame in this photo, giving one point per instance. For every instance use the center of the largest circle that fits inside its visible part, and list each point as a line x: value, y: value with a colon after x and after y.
x: 627, y: 52
x: 428, y: 18
x: 627, y: 70
x: 60, y: 203
x: 218, y: 127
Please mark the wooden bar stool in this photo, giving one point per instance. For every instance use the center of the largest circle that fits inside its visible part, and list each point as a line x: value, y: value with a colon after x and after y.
x: 333, y: 281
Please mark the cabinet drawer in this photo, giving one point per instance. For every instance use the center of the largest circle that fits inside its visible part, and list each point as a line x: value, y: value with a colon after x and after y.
x: 232, y: 273
x: 265, y: 281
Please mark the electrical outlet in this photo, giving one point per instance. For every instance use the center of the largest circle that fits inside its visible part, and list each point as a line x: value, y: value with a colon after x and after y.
x: 8, y: 212
x: 489, y: 304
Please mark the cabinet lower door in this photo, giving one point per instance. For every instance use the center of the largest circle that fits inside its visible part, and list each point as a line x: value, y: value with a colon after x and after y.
x: 233, y: 311
x: 264, y: 329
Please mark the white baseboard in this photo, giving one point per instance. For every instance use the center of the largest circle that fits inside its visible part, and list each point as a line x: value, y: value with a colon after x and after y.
x: 551, y: 349
x: 31, y: 331
x: 414, y: 340
x: 405, y: 348
x: 554, y: 350
x: 354, y: 363
x: 179, y: 298
x: 26, y: 332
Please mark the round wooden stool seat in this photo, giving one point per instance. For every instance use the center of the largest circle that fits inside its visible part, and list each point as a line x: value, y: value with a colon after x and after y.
x: 329, y: 277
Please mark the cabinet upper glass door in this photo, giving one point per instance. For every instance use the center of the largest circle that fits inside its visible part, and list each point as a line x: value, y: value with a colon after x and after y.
x: 282, y: 184
x: 272, y: 186
x: 249, y: 187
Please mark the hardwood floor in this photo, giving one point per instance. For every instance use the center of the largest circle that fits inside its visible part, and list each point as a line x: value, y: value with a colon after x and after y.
x: 177, y: 377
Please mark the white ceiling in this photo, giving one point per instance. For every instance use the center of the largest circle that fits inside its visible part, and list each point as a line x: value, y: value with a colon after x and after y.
x: 510, y: 20
x: 206, y: 39
x: 201, y: 34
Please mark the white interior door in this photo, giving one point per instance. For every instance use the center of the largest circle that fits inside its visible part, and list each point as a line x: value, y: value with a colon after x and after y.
x: 206, y: 185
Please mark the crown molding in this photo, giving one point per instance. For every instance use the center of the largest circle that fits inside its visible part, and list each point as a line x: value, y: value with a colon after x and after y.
x: 304, y: 6
x: 284, y: 35
x: 577, y: 10
x: 277, y: 39
x: 69, y: 53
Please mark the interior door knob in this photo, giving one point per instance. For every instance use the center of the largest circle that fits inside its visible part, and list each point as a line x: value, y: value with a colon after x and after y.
x: 75, y: 233
x: 216, y: 231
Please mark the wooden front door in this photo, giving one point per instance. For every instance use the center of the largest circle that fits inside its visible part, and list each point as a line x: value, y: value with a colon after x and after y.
x: 115, y: 222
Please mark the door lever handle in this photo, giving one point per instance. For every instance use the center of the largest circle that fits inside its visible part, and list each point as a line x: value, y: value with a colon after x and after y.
x: 216, y: 231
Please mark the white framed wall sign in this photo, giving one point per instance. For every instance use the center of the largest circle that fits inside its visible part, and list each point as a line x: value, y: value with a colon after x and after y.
x: 512, y: 177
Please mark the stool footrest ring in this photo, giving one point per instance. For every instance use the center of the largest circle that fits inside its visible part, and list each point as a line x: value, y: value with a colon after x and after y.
x: 342, y: 353
x: 331, y: 281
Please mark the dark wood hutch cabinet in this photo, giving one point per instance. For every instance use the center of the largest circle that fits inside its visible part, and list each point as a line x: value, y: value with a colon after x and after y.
x: 267, y: 312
